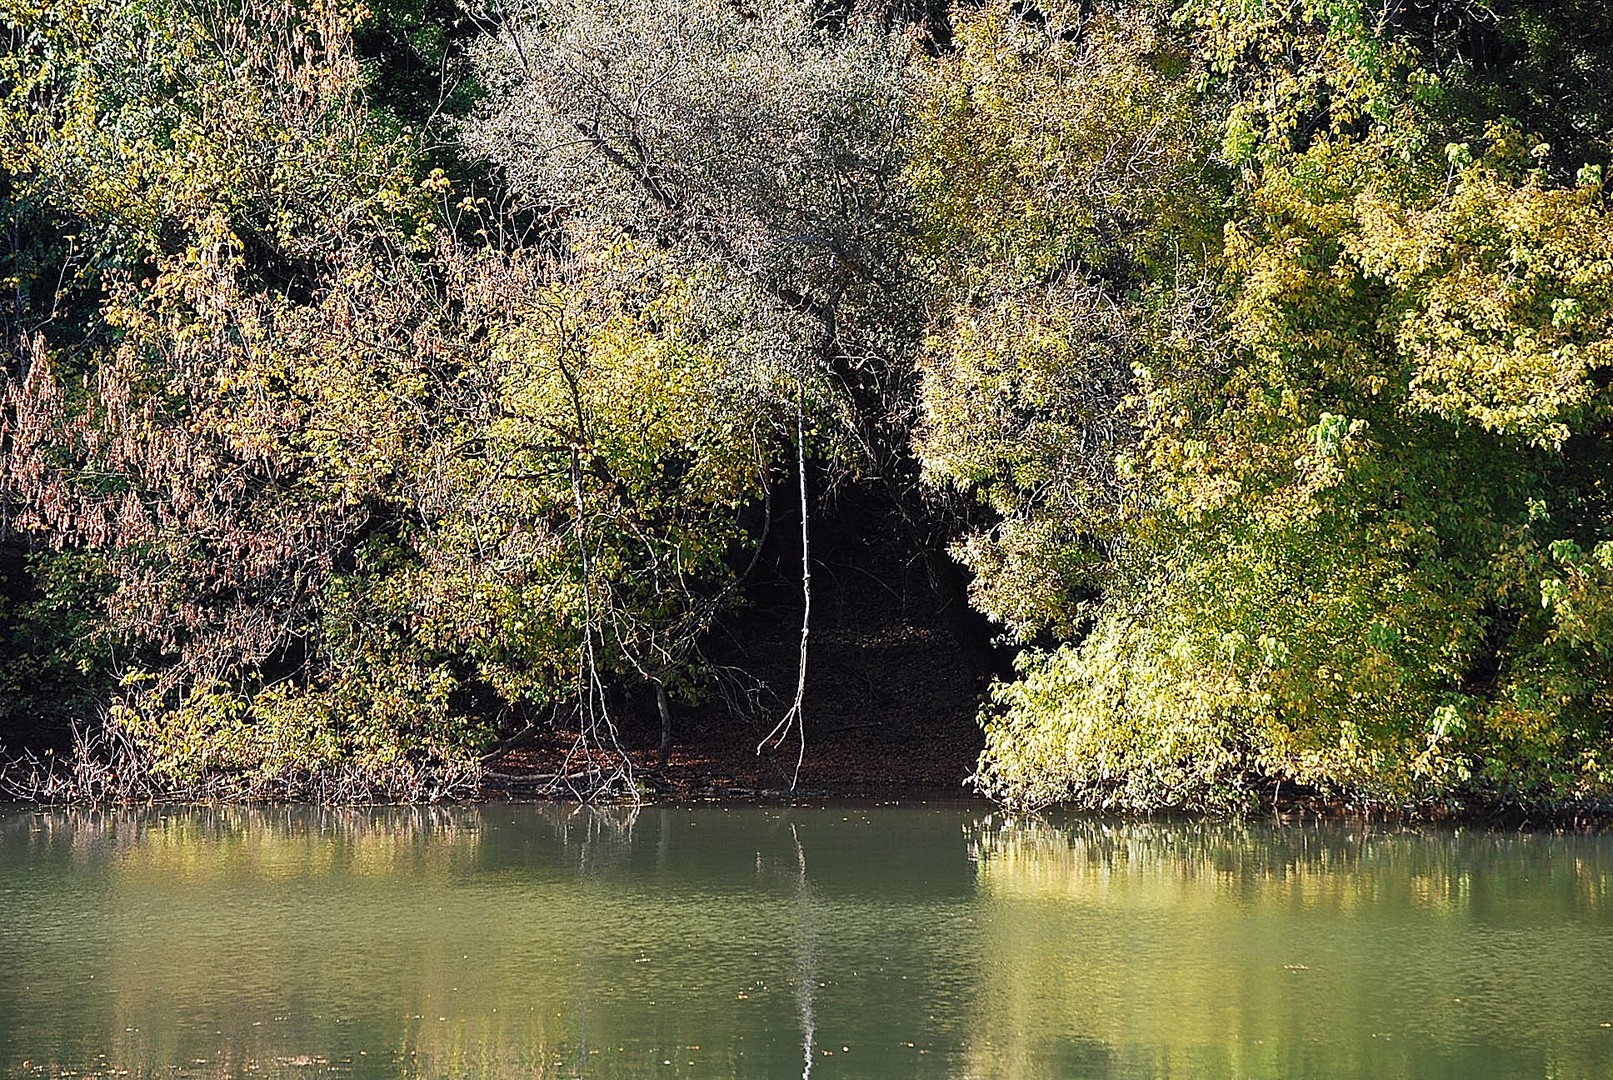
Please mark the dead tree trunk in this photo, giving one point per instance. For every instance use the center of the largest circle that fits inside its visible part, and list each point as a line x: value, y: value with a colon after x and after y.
x: 796, y: 716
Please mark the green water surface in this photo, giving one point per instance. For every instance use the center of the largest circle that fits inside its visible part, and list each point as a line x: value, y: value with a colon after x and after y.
x: 833, y: 941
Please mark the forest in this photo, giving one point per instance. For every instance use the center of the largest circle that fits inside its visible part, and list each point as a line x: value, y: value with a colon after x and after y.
x: 382, y: 379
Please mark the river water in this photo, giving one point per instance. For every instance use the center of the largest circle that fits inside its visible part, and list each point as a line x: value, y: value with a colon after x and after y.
x: 830, y: 941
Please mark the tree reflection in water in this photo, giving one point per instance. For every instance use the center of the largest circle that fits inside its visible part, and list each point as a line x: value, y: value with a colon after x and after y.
x: 550, y: 942
x: 806, y: 964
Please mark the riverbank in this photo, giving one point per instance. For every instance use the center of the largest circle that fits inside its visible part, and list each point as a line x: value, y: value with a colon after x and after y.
x: 891, y: 703
x: 889, y: 712
x: 847, y: 755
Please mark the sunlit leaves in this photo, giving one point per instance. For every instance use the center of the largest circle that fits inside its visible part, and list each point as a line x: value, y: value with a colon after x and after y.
x: 1330, y: 561
x: 618, y: 446
x: 1042, y: 148
x: 1046, y: 159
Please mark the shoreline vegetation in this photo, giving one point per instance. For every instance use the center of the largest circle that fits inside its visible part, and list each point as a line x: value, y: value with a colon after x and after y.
x: 1128, y: 405
x: 105, y: 771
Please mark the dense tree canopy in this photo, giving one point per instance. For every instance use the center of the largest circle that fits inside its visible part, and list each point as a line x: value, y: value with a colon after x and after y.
x: 379, y: 381
x: 1366, y: 445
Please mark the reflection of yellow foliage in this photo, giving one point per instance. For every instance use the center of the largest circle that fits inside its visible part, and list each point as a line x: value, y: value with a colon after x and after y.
x: 244, y: 844
x: 425, y: 941
x: 1201, y: 950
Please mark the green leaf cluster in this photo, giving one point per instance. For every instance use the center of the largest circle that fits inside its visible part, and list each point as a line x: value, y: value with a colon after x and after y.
x: 1351, y: 447
x: 344, y: 489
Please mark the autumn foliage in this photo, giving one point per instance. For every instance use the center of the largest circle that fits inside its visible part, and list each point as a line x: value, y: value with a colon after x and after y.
x: 1255, y: 365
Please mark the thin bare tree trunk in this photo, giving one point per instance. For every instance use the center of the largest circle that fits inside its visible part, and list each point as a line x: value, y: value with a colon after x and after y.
x: 796, y: 716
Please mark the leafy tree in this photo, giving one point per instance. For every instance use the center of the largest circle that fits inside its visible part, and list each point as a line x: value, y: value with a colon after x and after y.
x: 350, y: 486
x: 1066, y: 200
x: 1355, y: 457
x: 169, y: 213
x: 760, y: 152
